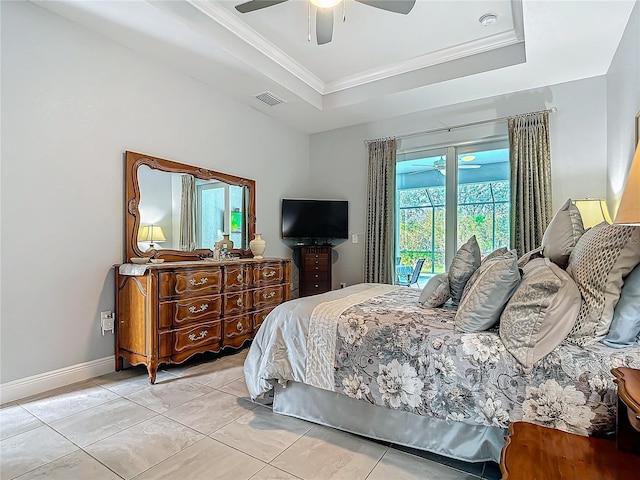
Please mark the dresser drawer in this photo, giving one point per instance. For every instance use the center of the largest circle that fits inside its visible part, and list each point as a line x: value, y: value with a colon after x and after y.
x: 268, y: 273
x: 316, y: 267
x: 189, y: 283
x: 238, y: 326
x: 316, y: 276
x: 265, y: 296
x: 313, y: 288
x: 179, y: 313
x: 236, y: 302
x: 201, y: 337
x: 237, y: 277
x: 260, y: 315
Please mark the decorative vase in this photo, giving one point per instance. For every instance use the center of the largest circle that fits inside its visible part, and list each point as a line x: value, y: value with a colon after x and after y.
x: 226, y: 242
x: 257, y: 246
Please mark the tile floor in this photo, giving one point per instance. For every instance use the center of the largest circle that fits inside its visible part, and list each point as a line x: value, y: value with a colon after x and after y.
x: 196, y: 423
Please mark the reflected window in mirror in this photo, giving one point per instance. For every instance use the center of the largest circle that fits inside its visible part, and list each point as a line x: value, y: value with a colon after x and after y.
x: 192, y: 213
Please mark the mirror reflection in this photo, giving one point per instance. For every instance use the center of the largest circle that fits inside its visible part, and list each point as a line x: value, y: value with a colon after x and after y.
x: 181, y: 212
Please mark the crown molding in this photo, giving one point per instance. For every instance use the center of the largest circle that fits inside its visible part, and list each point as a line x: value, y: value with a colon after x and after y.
x: 257, y: 41
x: 467, y: 49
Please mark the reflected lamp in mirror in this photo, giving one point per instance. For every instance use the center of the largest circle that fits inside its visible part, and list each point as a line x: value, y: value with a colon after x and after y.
x: 152, y: 234
x: 593, y: 211
x: 629, y: 208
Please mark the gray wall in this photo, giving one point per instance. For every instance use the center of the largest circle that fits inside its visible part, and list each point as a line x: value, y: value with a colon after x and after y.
x: 623, y: 103
x: 72, y: 103
x: 578, y: 150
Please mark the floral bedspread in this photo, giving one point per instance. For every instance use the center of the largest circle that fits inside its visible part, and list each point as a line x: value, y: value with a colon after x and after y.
x: 387, y: 351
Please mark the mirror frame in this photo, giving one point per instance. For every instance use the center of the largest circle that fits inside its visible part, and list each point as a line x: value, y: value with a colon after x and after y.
x: 134, y: 160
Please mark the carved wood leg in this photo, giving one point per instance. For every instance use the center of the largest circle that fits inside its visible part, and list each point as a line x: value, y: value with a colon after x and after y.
x: 152, y: 369
x: 119, y: 364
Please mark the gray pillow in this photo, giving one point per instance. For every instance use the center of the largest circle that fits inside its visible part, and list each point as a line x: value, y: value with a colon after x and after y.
x: 625, y: 326
x: 530, y: 255
x: 562, y: 234
x: 487, y: 292
x: 464, y: 263
x: 540, y: 313
x: 604, y: 255
x: 496, y: 253
x: 436, y: 292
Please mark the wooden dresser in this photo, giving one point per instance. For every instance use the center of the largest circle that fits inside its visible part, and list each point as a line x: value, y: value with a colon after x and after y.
x: 177, y: 309
x: 315, y: 270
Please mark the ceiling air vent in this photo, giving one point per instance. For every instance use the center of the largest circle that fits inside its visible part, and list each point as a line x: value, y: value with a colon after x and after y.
x: 269, y: 98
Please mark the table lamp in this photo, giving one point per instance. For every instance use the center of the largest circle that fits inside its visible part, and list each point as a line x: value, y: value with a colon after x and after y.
x: 152, y: 234
x: 629, y: 208
x: 593, y: 211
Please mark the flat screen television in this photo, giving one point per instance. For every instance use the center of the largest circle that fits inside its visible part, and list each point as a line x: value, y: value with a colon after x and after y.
x: 315, y: 219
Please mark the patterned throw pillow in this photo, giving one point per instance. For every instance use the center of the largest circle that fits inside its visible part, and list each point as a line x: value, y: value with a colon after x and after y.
x: 604, y: 255
x: 465, y: 262
x: 487, y: 292
x: 562, y: 234
x: 436, y: 292
x: 540, y: 313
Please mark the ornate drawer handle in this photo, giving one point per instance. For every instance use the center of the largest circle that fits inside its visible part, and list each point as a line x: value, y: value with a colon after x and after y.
x: 268, y: 274
x: 239, y: 326
x: 239, y: 278
x: 193, y: 337
x: 239, y: 302
x: 268, y: 295
x: 202, y: 281
x: 202, y: 308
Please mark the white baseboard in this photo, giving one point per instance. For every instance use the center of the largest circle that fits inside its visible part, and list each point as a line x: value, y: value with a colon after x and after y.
x: 42, y: 382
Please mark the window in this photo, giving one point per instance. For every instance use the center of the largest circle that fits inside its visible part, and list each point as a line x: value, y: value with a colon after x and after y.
x: 214, y: 217
x: 472, y: 179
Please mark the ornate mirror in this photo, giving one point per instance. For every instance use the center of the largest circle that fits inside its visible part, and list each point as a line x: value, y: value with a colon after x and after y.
x: 177, y: 211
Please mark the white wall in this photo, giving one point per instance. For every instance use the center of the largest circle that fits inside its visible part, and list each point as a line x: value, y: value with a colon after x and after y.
x: 623, y: 103
x: 72, y: 103
x: 578, y: 150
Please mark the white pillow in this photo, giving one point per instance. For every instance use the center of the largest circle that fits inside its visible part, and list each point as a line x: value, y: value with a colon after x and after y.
x: 487, y: 292
x: 436, y: 292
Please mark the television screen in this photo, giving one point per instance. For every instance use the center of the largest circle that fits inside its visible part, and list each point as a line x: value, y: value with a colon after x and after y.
x: 315, y: 218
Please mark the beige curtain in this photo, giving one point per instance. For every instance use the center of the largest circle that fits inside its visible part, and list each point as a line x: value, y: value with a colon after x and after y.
x: 379, y: 246
x: 531, y: 209
x: 188, y: 214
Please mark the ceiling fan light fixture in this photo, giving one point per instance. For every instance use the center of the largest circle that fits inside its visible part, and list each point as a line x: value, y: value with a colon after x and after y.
x: 488, y: 19
x: 468, y: 158
x: 325, y: 3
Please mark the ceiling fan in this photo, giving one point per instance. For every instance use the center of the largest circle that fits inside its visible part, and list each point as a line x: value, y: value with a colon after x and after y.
x: 324, y: 11
x: 441, y: 166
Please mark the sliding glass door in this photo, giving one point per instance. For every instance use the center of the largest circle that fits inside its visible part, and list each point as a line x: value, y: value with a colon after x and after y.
x: 446, y: 195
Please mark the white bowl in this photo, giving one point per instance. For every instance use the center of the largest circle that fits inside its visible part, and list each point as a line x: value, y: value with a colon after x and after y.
x: 139, y: 260
x: 157, y: 260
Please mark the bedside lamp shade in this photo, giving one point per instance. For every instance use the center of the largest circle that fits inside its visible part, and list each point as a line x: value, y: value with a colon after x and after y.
x: 593, y: 211
x: 151, y: 233
x: 629, y: 209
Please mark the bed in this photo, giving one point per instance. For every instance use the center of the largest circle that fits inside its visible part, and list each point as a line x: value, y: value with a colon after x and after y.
x: 368, y: 360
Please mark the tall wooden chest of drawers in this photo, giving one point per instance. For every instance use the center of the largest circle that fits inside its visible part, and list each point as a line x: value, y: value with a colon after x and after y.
x: 315, y: 270
x: 174, y: 310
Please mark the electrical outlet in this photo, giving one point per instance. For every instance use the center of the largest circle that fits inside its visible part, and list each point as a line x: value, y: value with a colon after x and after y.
x: 354, y: 238
x: 343, y: 284
x: 106, y: 321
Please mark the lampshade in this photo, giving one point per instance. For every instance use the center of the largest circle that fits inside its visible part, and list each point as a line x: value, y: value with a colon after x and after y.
x: 629, y: 209
x: 151, y: 233
x: 593, y: 211
x: 325, y: 3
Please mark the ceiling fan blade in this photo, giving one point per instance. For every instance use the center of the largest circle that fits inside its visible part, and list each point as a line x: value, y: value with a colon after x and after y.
x: 468, y: 167
x: 257, y: 5
x: 324, y: 25
x: 396, y: 6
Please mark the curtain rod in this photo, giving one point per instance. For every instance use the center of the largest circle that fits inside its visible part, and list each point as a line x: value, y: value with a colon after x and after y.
x: 462, y: 125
